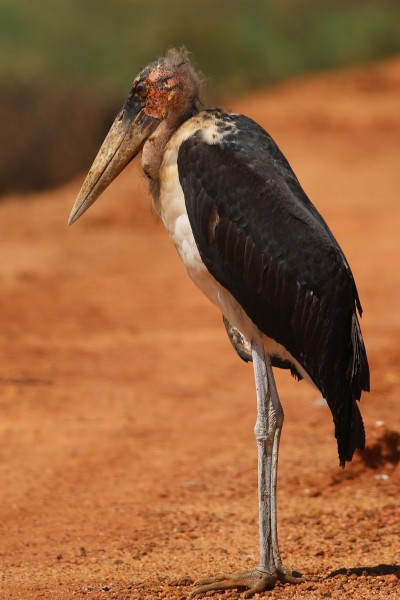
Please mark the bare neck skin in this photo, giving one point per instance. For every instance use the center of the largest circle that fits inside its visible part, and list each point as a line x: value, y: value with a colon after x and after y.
x: 153, y: 149
x: 153, y: 152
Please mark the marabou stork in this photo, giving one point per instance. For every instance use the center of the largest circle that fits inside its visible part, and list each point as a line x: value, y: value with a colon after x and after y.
x: 253, y: 242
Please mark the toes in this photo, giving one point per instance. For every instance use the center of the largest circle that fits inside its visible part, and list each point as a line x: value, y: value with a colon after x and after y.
x: 208, y: 580
x: 253, y: 581
x: 261, y: 586
x: 291, y: 579
x: 220, y: 584
x: 286, y: 575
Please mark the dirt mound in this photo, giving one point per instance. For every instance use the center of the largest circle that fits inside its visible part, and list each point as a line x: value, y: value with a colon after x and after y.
x: 380, y: 458
x: 127, y: 457
x: 383, y: 450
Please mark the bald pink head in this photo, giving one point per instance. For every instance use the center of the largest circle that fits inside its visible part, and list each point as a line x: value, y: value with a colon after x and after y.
x: 170, y: 86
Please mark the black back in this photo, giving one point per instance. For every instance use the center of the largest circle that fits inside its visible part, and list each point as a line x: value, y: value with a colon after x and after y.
x: 262, y: 239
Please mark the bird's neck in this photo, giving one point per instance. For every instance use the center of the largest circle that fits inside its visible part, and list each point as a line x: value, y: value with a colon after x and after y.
x: 153, y: 149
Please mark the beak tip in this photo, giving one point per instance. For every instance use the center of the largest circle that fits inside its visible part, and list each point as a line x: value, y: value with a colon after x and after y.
x: 71, y: 219
x: 123, y: 142
x: 75, y: 214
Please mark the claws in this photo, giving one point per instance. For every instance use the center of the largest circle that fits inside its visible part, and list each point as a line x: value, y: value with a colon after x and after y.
x: 287, y: 575
x: 254, y: 582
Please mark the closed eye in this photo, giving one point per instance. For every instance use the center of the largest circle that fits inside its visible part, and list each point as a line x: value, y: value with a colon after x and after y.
x: 142, y: 89
x: 170, y: 84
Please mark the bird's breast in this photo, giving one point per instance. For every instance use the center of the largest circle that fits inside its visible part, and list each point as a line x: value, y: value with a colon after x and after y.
x: 172, y: 208
x: 173, y: 213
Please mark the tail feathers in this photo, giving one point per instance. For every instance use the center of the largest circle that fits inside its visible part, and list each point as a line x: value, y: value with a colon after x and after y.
x: 349, y: 429
x: 355, y: 438
x: 359, y: 375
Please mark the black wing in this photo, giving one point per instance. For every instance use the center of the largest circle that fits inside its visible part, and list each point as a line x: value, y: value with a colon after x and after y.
x: 262, y: 239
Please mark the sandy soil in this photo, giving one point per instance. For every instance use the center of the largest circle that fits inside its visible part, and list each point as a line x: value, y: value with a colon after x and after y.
x: 127, y: 458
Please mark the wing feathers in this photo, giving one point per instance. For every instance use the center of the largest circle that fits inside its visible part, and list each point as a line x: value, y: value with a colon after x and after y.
x: 263, y: 240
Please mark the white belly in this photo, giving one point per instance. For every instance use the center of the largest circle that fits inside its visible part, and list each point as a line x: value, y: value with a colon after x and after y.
x: 174, y: 215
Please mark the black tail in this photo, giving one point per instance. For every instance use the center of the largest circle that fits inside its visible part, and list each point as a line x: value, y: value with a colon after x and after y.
x: 349, y: 427
x: 359, y: 374
x: 354, y: 437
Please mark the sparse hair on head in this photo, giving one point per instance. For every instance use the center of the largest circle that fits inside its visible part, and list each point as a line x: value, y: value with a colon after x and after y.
x: 178, y: 59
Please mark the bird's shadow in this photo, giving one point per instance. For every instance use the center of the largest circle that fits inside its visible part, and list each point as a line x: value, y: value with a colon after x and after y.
x: 381, y: 569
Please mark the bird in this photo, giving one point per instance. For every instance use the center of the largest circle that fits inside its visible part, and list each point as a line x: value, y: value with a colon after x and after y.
x: 257, y: 247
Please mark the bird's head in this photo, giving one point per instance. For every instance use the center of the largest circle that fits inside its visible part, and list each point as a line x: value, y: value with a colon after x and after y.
x: 167, y: 90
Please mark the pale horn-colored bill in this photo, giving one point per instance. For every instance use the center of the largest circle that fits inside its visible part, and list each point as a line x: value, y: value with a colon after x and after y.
x: 125, y: 139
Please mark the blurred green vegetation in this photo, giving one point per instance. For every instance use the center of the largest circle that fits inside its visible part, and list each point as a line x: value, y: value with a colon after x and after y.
x: 237, y: 43
x: 72, y: 61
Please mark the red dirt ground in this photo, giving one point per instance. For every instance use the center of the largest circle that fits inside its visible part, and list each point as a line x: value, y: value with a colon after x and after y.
x: 127, y: 458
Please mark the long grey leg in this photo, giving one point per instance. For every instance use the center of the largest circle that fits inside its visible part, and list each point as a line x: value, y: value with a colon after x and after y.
x: 278, y: 416
x: 267, y: 433
x: 268, y: 427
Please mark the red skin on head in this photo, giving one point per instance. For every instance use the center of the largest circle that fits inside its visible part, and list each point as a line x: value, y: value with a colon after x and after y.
x: 158, y: 97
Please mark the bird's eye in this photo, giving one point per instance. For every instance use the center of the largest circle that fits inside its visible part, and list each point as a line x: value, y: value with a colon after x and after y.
x: 142, y: 89
x: 169, y: 83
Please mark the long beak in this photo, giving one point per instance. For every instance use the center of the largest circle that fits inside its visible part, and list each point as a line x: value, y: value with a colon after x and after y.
x: 123, y: 142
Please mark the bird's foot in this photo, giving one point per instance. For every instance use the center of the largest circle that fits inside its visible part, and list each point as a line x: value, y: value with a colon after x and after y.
x: 287, y: 575
x: 254, y: 581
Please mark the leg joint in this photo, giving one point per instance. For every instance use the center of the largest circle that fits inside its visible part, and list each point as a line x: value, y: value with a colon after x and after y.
x: 262, y: 433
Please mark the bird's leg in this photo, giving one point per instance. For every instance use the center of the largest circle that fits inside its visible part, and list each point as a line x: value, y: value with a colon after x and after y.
x: 264, y: 433
x: 267, y: 432
x: 285, y: 574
